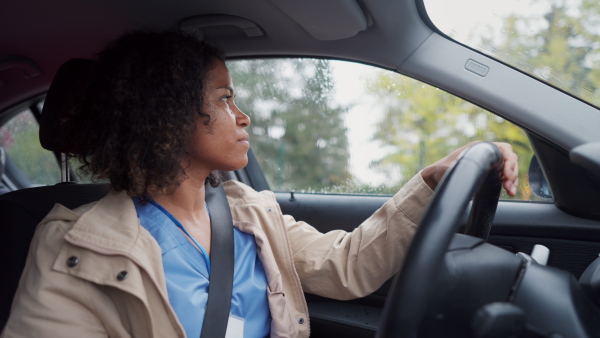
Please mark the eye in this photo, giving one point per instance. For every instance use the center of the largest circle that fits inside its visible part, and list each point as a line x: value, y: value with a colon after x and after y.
x: 226, y: 97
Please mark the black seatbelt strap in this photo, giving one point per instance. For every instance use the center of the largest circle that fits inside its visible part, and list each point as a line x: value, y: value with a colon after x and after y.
x: 220, y: 284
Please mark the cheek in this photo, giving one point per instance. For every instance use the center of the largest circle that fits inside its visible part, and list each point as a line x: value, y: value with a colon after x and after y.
x: 202, y: 137
x: 207, y: 139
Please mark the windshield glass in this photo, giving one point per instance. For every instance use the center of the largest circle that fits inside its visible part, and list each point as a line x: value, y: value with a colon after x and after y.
x: 557, y: 41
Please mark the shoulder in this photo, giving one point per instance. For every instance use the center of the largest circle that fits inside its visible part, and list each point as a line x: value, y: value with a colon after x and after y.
x: 239, y: 194
x: 114, y: 212
x: 58, y: 222
x: 60, y: 214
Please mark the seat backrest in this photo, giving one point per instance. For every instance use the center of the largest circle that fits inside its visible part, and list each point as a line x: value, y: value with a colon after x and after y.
x: 22, y: 210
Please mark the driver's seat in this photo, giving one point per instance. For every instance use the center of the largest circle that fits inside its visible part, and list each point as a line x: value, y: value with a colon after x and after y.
x: 22, y: 210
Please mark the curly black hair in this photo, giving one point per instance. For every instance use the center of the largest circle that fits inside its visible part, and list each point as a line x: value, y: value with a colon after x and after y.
x: 135, y: 123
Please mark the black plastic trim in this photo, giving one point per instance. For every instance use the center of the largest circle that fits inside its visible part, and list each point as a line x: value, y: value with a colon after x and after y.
x: 252, y: 174
x: 573, y: 191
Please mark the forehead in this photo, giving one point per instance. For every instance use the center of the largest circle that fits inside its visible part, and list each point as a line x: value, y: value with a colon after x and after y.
x: 218, y: 75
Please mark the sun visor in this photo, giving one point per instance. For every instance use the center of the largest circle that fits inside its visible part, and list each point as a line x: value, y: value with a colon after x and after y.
x: 16, y: 69
x: 220, y: 26
x: 327, y: 19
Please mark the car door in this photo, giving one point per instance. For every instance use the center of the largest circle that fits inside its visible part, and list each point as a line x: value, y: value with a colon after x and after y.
x: 335, y: 140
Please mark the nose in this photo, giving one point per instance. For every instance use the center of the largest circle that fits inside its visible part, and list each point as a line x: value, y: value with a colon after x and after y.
x: 242, y: 119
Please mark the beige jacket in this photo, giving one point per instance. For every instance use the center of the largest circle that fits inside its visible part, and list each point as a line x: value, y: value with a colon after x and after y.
x: 95, y: 272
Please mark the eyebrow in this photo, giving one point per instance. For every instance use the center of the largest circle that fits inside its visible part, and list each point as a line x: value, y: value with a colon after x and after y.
x: 228, y: 88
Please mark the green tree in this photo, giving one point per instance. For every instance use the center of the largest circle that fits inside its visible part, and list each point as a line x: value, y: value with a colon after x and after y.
x: 422, y: 124
x: 562, y: 46
x: 297, y: 131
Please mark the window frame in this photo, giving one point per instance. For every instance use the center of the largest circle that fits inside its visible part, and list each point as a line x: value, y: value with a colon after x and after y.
x: 254, y: 173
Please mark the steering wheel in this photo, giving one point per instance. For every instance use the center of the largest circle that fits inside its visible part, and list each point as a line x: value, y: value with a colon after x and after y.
x: 475, y: 174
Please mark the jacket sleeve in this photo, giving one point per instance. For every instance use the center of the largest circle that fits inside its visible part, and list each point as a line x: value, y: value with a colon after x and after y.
x: 49, y: 303
x: 346, y: 265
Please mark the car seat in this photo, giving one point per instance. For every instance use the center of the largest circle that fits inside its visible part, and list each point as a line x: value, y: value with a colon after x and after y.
x: 22, y: 210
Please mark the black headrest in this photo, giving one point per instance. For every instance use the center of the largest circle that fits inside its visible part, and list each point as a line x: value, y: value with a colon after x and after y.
x: 65, y: 92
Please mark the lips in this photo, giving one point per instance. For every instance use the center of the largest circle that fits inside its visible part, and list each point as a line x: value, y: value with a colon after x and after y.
x: 244, y: 139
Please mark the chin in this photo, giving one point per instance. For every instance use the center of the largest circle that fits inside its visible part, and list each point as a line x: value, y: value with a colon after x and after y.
x: 235, y: 166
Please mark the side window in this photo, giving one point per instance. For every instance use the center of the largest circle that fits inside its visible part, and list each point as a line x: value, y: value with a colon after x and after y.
x: 327, y: 126
x: 19, y: 138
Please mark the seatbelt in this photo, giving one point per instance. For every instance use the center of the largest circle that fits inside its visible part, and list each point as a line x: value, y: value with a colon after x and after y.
x: 220, y: 280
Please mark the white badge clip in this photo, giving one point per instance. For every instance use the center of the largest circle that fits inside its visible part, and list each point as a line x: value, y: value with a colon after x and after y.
x: 235, y: 327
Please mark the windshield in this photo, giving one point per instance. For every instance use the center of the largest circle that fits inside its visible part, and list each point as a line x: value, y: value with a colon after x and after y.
x: 556, y: 41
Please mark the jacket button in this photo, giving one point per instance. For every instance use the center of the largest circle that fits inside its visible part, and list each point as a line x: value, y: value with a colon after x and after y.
x: 121, y: 276
x: 301, y: 321
x: 72, y: 261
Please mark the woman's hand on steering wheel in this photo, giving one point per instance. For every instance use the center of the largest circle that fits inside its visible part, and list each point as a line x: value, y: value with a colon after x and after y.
x: 433, y: 173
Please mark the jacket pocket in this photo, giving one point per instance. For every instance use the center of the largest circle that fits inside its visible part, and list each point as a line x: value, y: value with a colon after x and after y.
x: 282, y: 324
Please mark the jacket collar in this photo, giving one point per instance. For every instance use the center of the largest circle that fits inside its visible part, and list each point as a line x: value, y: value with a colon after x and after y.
x: 110, y: 226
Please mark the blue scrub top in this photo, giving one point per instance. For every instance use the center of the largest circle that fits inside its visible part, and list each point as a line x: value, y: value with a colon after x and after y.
x: 187, y: 273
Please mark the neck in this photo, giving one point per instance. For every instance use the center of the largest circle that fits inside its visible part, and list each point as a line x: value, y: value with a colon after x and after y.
x: 185, y: 203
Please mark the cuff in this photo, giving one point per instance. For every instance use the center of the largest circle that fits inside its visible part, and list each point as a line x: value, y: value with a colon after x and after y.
x: 413, y: 198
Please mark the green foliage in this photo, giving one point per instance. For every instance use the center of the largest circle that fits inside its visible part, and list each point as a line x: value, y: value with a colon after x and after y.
x: 422, y: 124
x: 299, y: 136
x: 297, y: 131
x: 562, y: 46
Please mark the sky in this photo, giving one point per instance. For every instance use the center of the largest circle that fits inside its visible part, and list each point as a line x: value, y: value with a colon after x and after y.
x: 461, y: 19
x: 350, y: 88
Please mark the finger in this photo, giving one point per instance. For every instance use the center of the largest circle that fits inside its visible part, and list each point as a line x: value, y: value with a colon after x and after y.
x: 511, y: 174
x: 510, y: 169
x: 511, y: 187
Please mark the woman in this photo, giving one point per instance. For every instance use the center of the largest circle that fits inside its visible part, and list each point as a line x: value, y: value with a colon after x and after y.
x: 157, y: 120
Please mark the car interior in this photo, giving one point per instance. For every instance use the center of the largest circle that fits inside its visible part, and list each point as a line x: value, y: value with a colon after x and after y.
x: 478, y: 267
